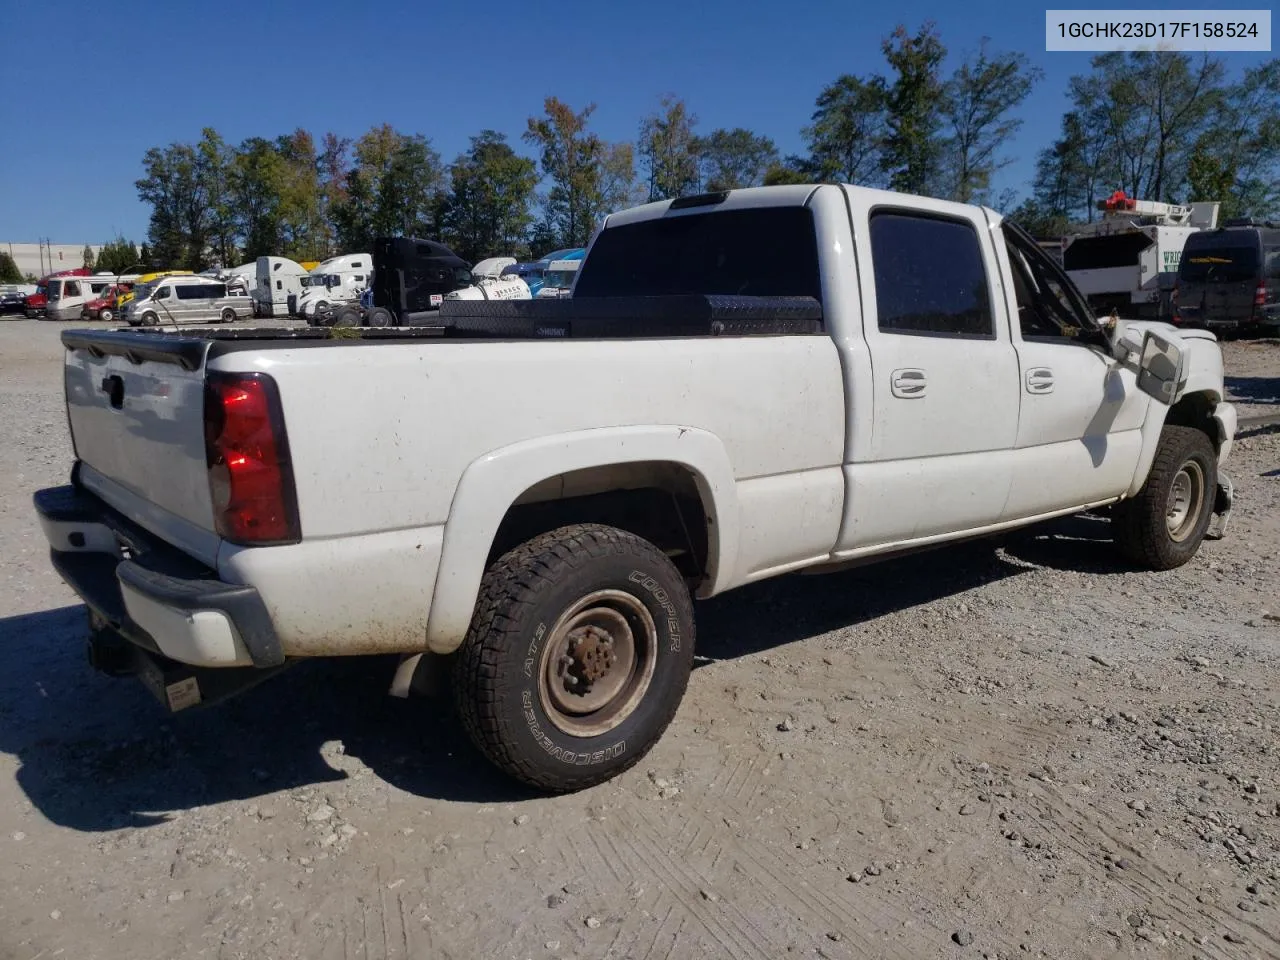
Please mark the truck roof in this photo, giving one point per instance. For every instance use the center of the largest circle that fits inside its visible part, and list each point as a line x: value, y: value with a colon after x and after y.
x: 777, y: 196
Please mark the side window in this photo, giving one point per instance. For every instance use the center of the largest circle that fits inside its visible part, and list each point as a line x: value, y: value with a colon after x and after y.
x: 1273, y: 263
x: 358, y: 279
x: 188, y: 292
x: 162, y: 294
x: 930, y: 276
x: 279, y: 285
x: 71, y: 289
x: 357, y: 265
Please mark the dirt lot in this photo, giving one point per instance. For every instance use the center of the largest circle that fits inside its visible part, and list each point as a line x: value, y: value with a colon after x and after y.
x: 998, y: 750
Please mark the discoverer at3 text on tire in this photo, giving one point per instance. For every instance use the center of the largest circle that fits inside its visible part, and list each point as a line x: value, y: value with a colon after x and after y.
x: 578, y: 655
x: 1163, y: 526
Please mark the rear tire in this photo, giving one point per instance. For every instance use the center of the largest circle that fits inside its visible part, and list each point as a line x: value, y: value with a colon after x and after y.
x: 1162, y: 527
x: 578, y: 655
x: 346, y: 317
x: 380, y: 317
x: 228, y: 315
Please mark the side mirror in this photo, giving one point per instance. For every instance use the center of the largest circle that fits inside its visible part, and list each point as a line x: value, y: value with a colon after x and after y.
x: 1160, y: 369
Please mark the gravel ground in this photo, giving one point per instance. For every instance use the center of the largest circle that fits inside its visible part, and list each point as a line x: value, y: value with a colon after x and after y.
x: 1002, y: 749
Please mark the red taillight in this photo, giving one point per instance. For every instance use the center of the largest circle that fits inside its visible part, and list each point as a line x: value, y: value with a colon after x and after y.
x: 250, y: 475
x: 1260, y: 296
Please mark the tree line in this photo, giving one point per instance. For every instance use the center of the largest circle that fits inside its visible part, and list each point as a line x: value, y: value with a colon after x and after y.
x: 1162, y: 126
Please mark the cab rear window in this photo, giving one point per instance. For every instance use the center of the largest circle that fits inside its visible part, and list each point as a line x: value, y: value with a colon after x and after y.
x: 761, y: 252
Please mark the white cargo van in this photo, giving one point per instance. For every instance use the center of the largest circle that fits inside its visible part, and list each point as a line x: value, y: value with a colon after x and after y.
x: 191, y: 299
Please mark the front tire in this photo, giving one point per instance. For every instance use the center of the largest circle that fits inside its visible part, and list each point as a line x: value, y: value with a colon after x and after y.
x: 578, y: 655
x: 1163, y: 526
x: 150, y: 319
x: 380, y: 317
x: 106, y: 315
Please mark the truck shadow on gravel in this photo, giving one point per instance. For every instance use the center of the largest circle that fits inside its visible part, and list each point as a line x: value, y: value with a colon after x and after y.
x: 1264, y: 391
x: 98, y: 754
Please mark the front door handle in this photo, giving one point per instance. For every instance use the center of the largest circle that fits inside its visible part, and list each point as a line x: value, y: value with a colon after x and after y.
x: 908, y: 383
x: 1039, y: 380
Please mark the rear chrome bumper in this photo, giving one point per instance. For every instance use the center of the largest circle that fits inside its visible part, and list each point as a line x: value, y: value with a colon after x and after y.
x: 150, y: 594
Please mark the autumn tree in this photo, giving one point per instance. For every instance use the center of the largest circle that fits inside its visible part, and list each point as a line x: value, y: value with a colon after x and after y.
x: 587, y: 176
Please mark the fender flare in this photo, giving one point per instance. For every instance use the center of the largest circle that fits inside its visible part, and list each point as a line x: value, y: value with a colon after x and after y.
x: 1224, y: 416
x: 492, y: 483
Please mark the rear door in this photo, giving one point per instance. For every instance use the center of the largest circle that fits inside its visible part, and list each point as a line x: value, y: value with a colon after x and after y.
x: 1218, y: 278
x: 945, y: 374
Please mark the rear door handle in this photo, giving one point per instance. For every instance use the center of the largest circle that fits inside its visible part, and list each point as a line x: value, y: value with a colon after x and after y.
x: 908, y: 383
x: 1039, y: 380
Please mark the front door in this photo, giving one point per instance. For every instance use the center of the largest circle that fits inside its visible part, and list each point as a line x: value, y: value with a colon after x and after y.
x: 945, y: 375
x: 1080, y: 424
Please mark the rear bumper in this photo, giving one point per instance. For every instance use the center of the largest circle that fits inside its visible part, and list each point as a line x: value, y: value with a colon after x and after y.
x: 150, y: 594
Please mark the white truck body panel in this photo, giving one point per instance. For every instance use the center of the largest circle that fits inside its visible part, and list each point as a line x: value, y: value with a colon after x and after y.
x: 805, y: 450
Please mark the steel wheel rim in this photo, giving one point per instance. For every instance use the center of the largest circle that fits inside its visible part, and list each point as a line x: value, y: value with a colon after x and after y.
x: 598, y: 663
x: 1186, y: 497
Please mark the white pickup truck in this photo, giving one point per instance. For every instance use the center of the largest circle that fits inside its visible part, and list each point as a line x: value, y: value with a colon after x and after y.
x: 743, y: 385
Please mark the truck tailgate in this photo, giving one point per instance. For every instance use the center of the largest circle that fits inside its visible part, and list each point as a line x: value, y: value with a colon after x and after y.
x: 135, y: 406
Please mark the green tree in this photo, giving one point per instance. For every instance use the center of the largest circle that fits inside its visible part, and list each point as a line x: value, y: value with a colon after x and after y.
x: 573, y: 159
x: 215, y: 162
x: 847, y: 133
x: 304, y: 233
x: 1236, y: 160
x: 669, y: 149
x: 488, y: 208
x: 394, y: 188
x: 913, y: 102
x: 731, y: 159
x: 9, y: 272
x: 88, y: 257
x: 118, y: 256
x: 791, y: 170
x: 977, y: 105
x: 181, y: 187
x: 257, y: 181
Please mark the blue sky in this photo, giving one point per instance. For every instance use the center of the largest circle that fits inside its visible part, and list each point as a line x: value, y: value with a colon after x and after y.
x: 89, y: 86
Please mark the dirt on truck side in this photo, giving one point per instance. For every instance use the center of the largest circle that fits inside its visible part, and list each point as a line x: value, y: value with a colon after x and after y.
x: 1007, y: 748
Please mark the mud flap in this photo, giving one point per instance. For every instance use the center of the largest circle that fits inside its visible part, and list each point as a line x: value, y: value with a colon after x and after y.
x: 420, y: 675
x: 1222, y: 502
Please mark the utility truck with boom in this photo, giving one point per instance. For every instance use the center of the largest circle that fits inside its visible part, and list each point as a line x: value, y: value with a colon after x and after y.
x: 744, y: 384
x: 1128, y: 260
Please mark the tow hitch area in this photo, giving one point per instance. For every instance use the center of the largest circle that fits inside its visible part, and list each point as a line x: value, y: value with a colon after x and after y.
x: 178, y: 686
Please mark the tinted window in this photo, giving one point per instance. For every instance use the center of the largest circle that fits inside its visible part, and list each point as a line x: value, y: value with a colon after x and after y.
x: 1229, y: 257
x: 765, y: 252
x: 190, y: 292
x: 929, y: 276
x: 1273, y: 263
